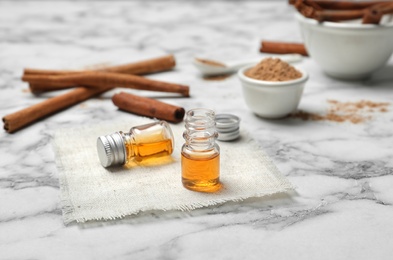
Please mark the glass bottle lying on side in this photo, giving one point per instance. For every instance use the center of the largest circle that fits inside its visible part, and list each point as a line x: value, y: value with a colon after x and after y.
x: 140, y: 143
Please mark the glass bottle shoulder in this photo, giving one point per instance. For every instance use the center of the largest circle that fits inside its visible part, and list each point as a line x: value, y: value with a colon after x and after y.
x: 190, y: 152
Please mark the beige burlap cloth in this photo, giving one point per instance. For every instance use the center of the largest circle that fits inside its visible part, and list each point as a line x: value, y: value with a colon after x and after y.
x: 91, y: 192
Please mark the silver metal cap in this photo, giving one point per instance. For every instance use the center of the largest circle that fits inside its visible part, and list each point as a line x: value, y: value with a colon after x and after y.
x: 111, y: 149
x: 227, y: 126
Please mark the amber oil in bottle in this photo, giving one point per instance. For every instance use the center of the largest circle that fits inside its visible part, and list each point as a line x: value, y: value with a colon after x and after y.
x: 200, y: 155
x: 141, y: 143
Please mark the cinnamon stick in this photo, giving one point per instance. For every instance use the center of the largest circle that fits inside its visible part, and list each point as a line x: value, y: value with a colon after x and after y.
x: 283, y: 47
x: 346, y: 5
x: 341, y: 5
x: 137, y: 68
x: 338, y: 15
x: 148, y: 107
x: 306, y: 9
x: 371, y: 12
x: 101, y: 79
x: 313, y: 4
x: 24, y: 117
x: 373, y: 15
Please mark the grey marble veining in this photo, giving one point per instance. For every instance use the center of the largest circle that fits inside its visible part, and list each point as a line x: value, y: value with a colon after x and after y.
x: 342, y: 207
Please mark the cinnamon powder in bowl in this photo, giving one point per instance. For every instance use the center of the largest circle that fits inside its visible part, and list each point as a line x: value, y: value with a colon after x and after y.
x: 272, y: 69
x: 272, y: 88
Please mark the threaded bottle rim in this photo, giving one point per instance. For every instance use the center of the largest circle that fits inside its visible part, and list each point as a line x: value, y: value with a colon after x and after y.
x: 200, y: 119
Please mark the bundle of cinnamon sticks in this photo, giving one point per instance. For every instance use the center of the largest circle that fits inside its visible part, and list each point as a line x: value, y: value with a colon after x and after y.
x: 87, y: 84
x: 370, y: 12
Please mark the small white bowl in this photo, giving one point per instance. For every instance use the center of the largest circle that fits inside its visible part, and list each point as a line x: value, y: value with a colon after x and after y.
x: 347, y: 50
x: 272, y: 99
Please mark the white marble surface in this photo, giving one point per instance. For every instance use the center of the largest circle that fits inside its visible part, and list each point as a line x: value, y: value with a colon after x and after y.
x: 342, y: 208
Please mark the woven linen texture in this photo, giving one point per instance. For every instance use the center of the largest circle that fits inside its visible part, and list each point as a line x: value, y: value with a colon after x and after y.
x: 92, y: 192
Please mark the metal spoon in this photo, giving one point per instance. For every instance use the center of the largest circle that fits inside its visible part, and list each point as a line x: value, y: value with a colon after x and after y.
x: 211, y: 67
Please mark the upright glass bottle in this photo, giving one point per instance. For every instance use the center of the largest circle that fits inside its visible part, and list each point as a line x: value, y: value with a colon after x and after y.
x: 200, y: 155
x: 141, y: 142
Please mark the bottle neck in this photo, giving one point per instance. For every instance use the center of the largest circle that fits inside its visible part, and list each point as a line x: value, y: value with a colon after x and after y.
x: 129, y: 145
x: 200, y: 133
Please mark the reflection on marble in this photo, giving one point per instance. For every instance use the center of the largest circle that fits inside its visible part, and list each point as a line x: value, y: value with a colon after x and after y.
x: 342, y: 207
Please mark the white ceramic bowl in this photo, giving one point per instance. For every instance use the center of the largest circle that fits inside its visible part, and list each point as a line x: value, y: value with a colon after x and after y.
x: 347, y: 50
x: 272, y: 99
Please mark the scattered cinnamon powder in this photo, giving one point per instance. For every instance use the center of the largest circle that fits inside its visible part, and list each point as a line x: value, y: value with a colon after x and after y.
x: 354, y: 112
x: 273, y: 69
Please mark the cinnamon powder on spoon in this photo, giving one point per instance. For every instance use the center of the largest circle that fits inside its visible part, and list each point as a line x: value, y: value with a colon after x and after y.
x: 273, y: 69
x: 211, y: 62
